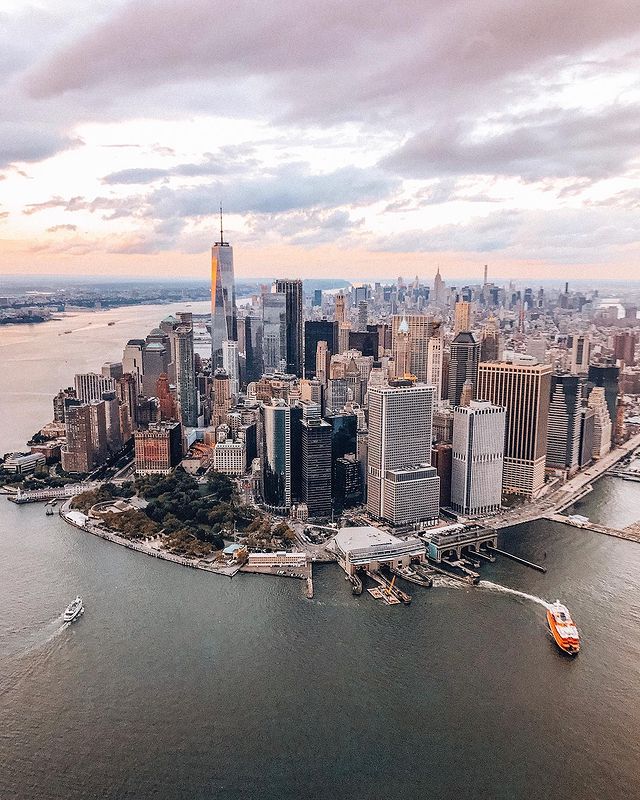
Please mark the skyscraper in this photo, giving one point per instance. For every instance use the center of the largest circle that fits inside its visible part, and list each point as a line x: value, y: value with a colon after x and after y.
x: 224, y: 324
x: 522, y: 387
x: 315, y: 331
x: 253, y: 348
x: 316, y: 461
x: 341, y: 314
x: 402, y: 486
x: 158, y: 448
x: 231, y: 365
x: 186, y: 374
x: 462, y: 317
x: 463, y: 365
x: 477, y: 458
x: 292, y: 290
x: 132, y: 361
x: 624, y: 347
x: 323, y: 360
x: 563, y: 437
x: 90, y: 386
x: 276, y: 455
x: 156, y: 358
x: 602, y: 424
x: 274, y: 332
x: 490, y: 341
x: 77, y: 452
x: 607, y: 376
x: 419, y: 329
x: 438, y: 288
x: 222, y: 400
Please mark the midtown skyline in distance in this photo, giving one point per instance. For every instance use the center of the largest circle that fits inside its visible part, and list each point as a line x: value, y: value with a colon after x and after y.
x: 454, y: 137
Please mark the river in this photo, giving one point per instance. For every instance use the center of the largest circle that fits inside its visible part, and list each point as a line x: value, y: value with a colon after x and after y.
x: 180, y: 684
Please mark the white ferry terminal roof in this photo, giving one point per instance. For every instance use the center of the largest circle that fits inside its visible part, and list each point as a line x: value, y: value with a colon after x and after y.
x: 365, y: 536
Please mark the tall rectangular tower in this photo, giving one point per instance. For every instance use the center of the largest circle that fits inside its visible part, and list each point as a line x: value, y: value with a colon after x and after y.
x: 402, y: 486
x: 463, y: 365
x: 563, y: 438
x: 292, y: 290
x: 224, y: 323
x: 522, y: 386
x: 419, y: 329
x: 186, y: 374
x: 477, y: 458
x: 274, y: 332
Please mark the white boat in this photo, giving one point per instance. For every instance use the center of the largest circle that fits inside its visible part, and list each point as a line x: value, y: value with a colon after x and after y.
x: 73, y: 610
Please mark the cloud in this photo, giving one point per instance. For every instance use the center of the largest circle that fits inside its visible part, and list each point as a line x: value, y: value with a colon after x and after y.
x: 66, y: 227
x: 427, y: 43
x: 28, y: 142
x: 534, y: 146
x: 563, y: 235
x: 226, y: 162
x: 126, y: 205
x: 136, y: 175
x: 288, y: 187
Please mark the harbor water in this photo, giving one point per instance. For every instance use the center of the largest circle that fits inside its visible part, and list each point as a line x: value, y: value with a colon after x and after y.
x: 180, y: 684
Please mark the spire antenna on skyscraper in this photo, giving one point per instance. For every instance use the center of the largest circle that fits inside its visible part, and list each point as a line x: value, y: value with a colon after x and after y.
x: 222, y: 241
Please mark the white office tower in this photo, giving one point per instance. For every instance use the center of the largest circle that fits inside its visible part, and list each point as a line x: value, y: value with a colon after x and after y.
x: 132, y: 361
x: 91, y: 386
x: 402, y: 486
x: 602, y: 422
x: 231, y: 366
x: 477, y: 458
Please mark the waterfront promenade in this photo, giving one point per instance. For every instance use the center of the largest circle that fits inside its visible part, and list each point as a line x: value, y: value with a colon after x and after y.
x: 153, y: 548
x: 558, y: 499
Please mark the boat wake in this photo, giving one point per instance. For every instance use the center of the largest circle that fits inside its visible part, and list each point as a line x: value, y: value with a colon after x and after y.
x: 33, y: 654
x: 442, y: 581
x: 496, y: 587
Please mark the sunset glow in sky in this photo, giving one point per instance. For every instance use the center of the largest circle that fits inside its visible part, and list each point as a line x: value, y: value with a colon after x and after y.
x: 353, y: 139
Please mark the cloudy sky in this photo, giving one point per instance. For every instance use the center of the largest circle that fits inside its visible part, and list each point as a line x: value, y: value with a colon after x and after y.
x: 356, y: 139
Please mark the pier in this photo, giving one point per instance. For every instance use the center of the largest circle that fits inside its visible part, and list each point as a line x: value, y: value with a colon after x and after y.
x: 454, y: 545
x: 519, y: 560
x: 61, y: 493
x: 631, y: 533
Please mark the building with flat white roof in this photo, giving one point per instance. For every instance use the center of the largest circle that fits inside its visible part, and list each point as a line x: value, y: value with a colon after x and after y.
x: 279, y: 559
x: 369, y: 548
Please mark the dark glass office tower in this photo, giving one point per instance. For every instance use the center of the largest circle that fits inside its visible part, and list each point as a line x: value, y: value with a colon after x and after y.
x: 463, y: 365
x: 315, y: 331
x: 607, y: 376
x: 292, y: 290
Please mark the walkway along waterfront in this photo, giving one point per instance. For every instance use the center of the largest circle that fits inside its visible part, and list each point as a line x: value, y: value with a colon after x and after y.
x: 82, y: 522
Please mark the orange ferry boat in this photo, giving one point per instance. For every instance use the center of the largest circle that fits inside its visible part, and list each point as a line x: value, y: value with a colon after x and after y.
x: 563, y: 628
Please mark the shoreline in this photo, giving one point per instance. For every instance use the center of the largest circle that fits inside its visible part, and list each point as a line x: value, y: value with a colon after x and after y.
x: 226, y: 571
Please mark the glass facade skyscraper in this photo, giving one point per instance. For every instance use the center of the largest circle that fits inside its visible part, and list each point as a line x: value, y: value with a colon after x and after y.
x: 224, y: 324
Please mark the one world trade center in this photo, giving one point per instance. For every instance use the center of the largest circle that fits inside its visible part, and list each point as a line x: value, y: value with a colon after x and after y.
x: 224, y: 323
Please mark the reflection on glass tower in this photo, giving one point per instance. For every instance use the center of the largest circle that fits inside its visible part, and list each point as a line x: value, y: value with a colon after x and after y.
x: 224, y: 325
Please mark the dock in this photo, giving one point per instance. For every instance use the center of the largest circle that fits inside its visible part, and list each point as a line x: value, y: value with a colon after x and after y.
x: 630, y: 534
x: 516, y: 558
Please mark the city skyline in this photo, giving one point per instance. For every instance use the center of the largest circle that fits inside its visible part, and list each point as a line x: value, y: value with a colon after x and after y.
x: 112, y: 163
